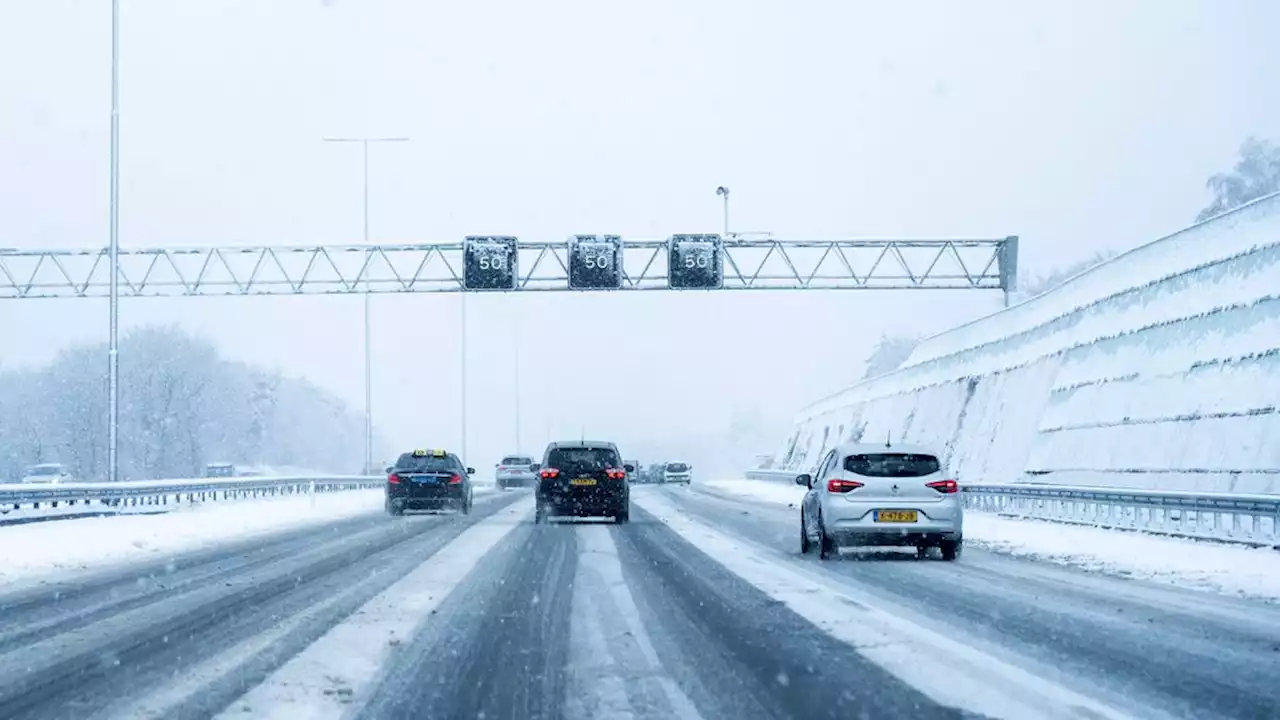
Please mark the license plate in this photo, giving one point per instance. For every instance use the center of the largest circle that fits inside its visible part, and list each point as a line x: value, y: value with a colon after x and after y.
x: 583, y: 481
x: 895, y: 516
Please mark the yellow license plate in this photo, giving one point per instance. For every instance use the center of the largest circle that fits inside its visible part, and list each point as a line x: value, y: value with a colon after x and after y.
x: 896, y: 516
x: 583, y: 481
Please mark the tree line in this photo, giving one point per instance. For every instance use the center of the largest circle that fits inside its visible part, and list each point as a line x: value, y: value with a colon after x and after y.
x: 182, y: 406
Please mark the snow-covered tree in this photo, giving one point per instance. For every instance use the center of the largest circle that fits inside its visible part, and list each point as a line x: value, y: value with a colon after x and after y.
x: 1257, y: 173
x: 181, y: 406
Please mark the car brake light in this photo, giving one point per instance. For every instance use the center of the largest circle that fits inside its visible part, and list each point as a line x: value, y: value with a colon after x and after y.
x: 836, y: 485
x: 394, y: 479
x: 549, y: 473
x: 945, y: 487
x: 615, y: 474
x: 454, y: 479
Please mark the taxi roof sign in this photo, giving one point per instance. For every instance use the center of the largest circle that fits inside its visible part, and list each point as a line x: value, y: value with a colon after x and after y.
x: 433, y: 453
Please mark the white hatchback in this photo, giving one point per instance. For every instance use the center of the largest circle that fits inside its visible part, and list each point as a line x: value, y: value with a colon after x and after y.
x: 864, y: 494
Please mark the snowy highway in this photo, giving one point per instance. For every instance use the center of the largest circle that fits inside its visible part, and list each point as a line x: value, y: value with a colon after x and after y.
x: 701, y: 607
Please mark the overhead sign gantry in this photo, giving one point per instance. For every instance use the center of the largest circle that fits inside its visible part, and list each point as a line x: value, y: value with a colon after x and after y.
x: 499, y: 263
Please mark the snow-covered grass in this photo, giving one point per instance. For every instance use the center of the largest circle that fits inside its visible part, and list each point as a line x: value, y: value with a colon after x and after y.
x: 1230, y: 569
x: 1205, y: 565
x: 38, y: 551
x: 757, y: 490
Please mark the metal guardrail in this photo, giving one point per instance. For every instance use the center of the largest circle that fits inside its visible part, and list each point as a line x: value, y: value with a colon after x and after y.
x: 166, y: 492
x: 1224, y: 517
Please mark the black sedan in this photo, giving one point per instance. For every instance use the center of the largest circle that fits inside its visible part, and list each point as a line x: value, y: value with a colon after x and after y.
x: 583, y: 479
x: 428, y: 480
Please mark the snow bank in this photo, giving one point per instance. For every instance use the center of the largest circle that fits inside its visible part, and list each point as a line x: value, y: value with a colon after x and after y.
x: 37, y: 551
x: 1230, y: 569
x: 1158, y: 369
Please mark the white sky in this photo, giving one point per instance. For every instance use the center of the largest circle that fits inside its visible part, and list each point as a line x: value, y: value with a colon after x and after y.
x: 1079, y: 126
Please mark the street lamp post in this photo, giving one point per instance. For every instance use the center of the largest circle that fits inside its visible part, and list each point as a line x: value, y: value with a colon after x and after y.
x: 368, y: 361
x: 113, y: 251
x: 724, y: 192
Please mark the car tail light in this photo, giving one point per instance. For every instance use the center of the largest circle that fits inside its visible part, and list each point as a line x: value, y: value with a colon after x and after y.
x: 550, y: 473
x: 945, y: 487
x: 615, y: 474
x: 394, y: 479
x: 836, y: 485
x: 502, y: 467
x: 454, y: 479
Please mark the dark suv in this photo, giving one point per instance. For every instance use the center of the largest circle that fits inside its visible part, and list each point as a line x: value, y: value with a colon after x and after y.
x: 428, y: 480
x: 585, y: 479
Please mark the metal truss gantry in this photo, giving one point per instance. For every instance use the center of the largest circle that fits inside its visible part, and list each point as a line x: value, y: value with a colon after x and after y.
x: 754, y: 264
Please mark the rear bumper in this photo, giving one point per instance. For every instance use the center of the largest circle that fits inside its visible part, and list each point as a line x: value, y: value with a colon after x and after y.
x: 514, y: 480
x: 598, y: 501
x: 855, y: 524
x: 677, y: 478
x: 427, y: 496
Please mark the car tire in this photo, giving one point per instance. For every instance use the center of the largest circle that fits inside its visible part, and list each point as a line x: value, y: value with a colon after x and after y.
x: 623, y: 515
x: 539, y: 514
x: 805, y: 545
x: 951, y: 549
x: 394, y: 509
x: 465, y: 506
x: 826, y: 545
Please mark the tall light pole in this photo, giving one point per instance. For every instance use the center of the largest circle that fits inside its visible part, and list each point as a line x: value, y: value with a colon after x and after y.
x: 517, y: 373
x: 463, y: 351
x: 113, y: 251
x: 368, y: 361
x: 724, y: 192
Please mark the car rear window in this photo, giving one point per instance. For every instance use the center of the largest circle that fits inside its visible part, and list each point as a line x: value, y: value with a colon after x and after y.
x: 892, y: 464
x: 517, y: 460
x: 576, y: 460
x: 409, y: 462
x: 677, y: 467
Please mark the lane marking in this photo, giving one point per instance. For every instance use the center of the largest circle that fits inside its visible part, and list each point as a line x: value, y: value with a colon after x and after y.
x: 335, y: 673
x: 614, y: 671
x: 948, y: 671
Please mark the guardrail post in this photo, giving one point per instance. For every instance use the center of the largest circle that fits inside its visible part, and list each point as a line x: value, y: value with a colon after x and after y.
x: 311, y: 489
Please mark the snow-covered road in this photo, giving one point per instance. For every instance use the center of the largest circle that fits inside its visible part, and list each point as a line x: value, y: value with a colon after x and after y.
x: 701, y: 607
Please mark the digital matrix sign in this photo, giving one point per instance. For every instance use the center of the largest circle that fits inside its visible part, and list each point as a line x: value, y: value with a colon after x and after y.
x: 695, y: 262
x: 490, y: 262
x: 595, y: 262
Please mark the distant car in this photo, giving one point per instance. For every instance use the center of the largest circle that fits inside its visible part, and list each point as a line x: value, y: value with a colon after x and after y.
x: 219, y: 470
x: 881, y: 495
x: 515, y: 471
x: 50, y: 473
x: 636, y: 475
x: 584, y: 479
x: 428, y: 480
x: 677, y: 472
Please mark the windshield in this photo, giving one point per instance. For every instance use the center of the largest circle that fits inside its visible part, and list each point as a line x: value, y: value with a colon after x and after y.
x: 44, y: 470
x: 892, y: 465
x: 410, y: 463
x: 582, y: 460
x: 967, y: 313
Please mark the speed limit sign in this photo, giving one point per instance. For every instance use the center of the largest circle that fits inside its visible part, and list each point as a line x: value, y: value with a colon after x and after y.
x: 489, y: 262
x: 595, y: 262
x: 695, y: 262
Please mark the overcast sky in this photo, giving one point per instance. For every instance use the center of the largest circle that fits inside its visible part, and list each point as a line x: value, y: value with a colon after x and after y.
x: 1079, y: 126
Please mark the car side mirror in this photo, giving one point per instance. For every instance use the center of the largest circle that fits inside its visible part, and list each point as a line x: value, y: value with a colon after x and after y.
x: 535, y: 467
x: 389, y: 469
x: 806, y: 479
x: 471, y: 471
x: 629, y: 468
